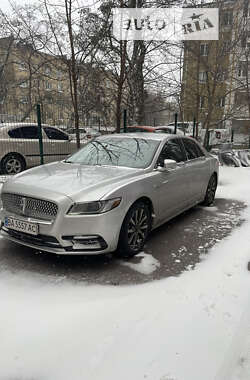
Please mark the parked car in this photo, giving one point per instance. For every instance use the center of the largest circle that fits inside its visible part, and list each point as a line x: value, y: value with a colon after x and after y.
x: 92, y: 133
x: 139, y: 128
x: 160, y: 129
x: 168, y: 129
x: 82, y: 133
x: 108, y: 195
x: 19, y: 146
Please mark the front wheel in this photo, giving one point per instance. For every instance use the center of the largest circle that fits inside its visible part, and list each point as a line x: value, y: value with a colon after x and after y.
x: 210, y: 193
x: 12, y: 163
x: 135, y: 229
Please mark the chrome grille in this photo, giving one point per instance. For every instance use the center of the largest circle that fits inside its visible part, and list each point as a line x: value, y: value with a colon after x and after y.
x: 30, y: 207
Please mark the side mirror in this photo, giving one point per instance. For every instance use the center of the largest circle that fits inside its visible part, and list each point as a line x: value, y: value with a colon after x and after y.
x: 168, y: 165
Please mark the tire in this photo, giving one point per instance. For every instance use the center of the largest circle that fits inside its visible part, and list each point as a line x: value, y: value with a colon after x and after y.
x: 135, y: 229
x: 211, y: 189
x: 12, y: 163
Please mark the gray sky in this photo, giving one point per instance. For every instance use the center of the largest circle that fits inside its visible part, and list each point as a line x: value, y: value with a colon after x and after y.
x: 4, y: 5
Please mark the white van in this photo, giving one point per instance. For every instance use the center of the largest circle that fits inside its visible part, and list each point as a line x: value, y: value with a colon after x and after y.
x: 216, y: 136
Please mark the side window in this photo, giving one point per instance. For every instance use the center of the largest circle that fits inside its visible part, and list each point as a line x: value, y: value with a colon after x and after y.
x: 192, y: 149
x: 15, y: 133
x: 55, y: 134
x: 30, y: 132
x: 200, y: 152
x: 172, y: 150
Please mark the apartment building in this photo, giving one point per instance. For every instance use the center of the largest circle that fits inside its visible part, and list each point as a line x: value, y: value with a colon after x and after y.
x: 216, y: 73
x: 29, y: 77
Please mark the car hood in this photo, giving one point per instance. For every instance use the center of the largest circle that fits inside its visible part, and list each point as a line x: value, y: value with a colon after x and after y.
x: 71, y: 180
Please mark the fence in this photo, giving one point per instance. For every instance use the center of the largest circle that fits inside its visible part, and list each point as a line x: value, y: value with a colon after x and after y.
x: 23, y: 144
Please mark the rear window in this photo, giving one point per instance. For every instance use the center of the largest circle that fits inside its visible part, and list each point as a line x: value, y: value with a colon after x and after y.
x: 55, y: 134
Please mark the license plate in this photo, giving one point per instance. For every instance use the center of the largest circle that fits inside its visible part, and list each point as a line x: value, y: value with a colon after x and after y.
x: 21, y: 225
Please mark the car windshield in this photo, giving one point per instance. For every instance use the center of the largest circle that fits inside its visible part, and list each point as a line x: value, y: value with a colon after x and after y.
x: 116, y: 151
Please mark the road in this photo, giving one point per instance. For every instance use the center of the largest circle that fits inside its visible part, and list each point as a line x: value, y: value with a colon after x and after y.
x: 171, y: 249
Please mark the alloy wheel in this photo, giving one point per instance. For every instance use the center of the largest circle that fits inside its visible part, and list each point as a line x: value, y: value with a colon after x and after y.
x: 211, y: 189
x: 13, y: 166
x: 138, y: 227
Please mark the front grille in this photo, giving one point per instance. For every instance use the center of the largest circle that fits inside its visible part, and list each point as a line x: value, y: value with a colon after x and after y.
x: 30, y: 207
x: 38, y: 240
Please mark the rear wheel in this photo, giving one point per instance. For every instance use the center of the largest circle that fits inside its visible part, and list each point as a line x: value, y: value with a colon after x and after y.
x: 135, y: 229
x: 211, y: 189
x: 13, y: 163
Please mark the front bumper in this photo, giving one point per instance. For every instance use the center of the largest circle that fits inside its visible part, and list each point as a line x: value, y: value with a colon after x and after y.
x: 70, y: 235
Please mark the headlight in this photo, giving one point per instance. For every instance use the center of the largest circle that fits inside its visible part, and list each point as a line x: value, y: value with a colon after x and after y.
x: 97, y: 207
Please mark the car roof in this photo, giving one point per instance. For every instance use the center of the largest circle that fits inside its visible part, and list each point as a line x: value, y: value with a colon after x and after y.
x: 16, y: 125
x: 171, y: 127
x: 142, y: 135
x: 145, y: 127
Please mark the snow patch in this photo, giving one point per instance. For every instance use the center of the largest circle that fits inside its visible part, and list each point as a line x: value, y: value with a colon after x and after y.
x: 191, y: 327
x: 147, y: 265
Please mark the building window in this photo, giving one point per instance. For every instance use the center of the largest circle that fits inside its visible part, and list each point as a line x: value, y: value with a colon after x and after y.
x: 240, y: 98
x: 204, y: 50
x: 202, y: 76
x: 242, y: 69
x: 227, y: 18
x: 60, y: 87
x: 48, y: 85
x: 49, y: 100
x: 226, y: 47
x: 24, y: 100
x: 36, y: 82
x: 201, y: 101
x: 221, y: 101
x: 24, y: 84
x: 59, y: 74
x: 221, y: 76
x: 22, y: 66
x: 47, y: 70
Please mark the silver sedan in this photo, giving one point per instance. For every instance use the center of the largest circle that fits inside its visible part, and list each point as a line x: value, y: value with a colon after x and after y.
x: 109, y: 195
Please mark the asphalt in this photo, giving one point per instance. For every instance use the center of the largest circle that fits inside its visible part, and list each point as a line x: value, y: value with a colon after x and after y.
x: 175, y: 247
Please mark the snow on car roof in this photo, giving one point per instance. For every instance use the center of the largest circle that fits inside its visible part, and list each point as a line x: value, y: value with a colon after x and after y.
x: 145, y: 136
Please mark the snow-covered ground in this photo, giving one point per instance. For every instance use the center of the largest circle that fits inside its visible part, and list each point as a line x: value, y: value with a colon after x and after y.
x: 192, y: 327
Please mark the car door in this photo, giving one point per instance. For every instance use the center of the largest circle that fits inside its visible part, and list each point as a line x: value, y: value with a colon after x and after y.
x: 56, y: 145
x: 172, y: 186
x: 29, y: 144
x: 197, y: 167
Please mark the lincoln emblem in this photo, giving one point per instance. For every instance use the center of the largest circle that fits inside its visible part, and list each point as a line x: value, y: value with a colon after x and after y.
x: 23, y: 204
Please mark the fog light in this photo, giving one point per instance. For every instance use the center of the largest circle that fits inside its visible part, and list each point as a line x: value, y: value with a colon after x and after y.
x: 85, y: 242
